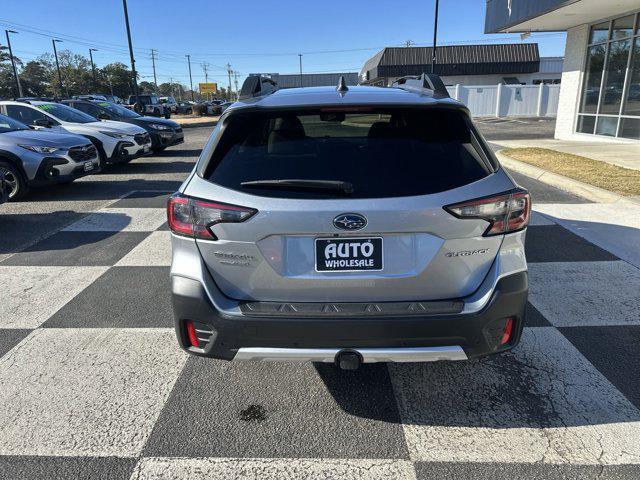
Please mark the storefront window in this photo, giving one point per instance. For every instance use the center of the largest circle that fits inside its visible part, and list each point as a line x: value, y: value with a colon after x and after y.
x: 595, y: 65
x: 614, y: 76
x: 586, y: 123
x: 622, y: 27
x: 611, y: 88
x: 632, y: 103
x: 607, y: 126
x: 630, y: 128
x: 599, y: 33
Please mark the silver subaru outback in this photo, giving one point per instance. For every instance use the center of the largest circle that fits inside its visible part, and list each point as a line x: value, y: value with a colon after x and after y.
x: 348, y: 225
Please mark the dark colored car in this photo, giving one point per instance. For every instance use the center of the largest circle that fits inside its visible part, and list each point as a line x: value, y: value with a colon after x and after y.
x: 148, y: 104
x: 164, y: 133
x: 184, y: 107
x: 4, y: 192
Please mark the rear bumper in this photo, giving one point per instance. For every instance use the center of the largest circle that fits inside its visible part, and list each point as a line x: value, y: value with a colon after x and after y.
x: 394, y: 338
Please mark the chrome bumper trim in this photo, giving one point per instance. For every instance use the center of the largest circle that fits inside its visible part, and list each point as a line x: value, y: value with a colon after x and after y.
x: 369, y: 355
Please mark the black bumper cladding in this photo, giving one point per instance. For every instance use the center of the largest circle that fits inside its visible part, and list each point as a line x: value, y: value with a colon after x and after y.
x: 479, y: 334
x: 47, y: 173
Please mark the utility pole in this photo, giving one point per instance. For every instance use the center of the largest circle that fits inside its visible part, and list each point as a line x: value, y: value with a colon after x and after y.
x: 93, y: 66
x: 435, y: 36
x: 206, y: 78
x: 153, y: 62
x: 55, y: 53
x: 229, y: 72
x: 190, y: 78
x: 235, y: 82
x: 133, y: 62
x: 300, y: 59
x: 13, y: 63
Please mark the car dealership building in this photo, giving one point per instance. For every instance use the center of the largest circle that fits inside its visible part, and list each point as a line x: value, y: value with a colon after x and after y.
x: 600, y: 89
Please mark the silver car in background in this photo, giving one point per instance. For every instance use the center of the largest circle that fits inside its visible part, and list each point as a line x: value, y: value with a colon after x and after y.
x: 348, y: 225
x: 30, y: 158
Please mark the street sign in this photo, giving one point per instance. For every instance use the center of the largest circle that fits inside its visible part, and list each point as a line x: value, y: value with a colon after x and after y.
x: 208, y: 87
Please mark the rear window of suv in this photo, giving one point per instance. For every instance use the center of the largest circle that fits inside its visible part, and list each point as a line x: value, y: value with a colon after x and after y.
x: 381, y: 153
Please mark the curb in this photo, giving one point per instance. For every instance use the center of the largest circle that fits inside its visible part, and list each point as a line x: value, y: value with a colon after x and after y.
x: 595, y: 194
x: 206, y: 123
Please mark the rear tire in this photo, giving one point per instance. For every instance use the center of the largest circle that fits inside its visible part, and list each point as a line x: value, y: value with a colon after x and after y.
x: 14, y: 181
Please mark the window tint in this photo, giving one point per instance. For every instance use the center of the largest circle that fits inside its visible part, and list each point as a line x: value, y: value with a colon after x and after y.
x: 87, y: 108
x: 8, y: 124
x: 118, y: 111
x: 26, y: 115
x: 389, y: 153
x: 65, y: 113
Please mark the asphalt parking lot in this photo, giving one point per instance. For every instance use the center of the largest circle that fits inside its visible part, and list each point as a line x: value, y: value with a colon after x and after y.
x: 524, y: 128
x: 93, y: 385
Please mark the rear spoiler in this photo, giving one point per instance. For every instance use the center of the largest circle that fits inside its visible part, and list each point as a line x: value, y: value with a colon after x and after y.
x: 257, y: 86
x: 427, y: 84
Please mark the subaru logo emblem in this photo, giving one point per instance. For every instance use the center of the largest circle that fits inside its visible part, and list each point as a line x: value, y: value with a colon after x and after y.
x: 350, y: 221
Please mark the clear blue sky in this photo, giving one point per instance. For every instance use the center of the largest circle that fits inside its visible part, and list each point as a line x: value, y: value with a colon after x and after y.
x: 254, y: 36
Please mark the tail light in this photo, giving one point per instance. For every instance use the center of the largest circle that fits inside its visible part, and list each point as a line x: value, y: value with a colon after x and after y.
x: 194, y: 218
x: 506, y: 213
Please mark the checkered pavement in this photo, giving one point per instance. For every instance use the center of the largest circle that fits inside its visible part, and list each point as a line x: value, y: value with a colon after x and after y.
x: 93, y: 384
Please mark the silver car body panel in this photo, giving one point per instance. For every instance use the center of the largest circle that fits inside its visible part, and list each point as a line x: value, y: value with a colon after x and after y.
x: 428, y: 253
x: 369, y: 355
x: 11, y: 141
x: 188, y: 263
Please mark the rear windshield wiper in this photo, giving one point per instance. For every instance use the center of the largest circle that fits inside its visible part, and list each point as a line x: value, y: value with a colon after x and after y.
x: 294, y: 183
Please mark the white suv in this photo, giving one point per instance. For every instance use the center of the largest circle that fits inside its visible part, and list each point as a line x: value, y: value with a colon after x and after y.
x: 117, y: 142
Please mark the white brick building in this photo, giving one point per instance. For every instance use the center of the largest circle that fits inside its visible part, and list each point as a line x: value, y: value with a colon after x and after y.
x: 600, y: 89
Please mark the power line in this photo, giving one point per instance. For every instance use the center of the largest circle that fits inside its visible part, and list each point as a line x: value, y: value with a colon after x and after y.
x: 175, y: 56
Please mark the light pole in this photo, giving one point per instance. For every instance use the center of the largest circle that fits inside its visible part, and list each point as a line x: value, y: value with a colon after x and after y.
x: 93, y: 66
x: 435, y: 36
x: 55, y: 53
x: 300, y: 59
x: 133, y: 62
x: 13, y: 63
x: 229, y: 72
x: 190, y: 78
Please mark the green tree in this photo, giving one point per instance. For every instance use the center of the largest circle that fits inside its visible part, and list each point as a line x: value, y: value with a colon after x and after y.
x: 35, y: 80
x: 146, y: 87
x: 115, y: 77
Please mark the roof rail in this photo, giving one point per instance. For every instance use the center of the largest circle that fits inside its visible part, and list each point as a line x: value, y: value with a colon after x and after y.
x: 427, y: 83
x: 257, y: 86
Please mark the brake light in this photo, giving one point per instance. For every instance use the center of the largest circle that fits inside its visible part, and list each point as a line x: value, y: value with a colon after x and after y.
x: 194, y: 218
x: 505, y: 213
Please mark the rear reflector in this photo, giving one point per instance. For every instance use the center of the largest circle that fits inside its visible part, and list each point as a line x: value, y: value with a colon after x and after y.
x: 508, y: 329
x: 191, y: 333
x: 194, y: 218
x: 506, y: 213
